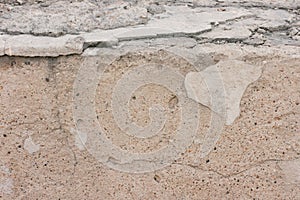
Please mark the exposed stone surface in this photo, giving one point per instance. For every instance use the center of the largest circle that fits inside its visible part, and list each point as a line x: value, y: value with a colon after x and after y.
x: 252, y: 26
x: 228, y: 33
x: 2, y: 45
x: 186, y: 20
x: 28, y: 45
x: 155, y: 9
x: 255, y: 40
x: 292, y: 4
x: 59, y: 17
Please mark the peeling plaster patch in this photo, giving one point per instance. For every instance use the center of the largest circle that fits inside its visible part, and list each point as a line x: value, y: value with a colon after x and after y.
x: 80, y: 139
x: 30, y: 146
x: 6, y: 183
x: 291, y: 170
x: 6, y: 186
x: 4, y: 169
x: 235, y: 75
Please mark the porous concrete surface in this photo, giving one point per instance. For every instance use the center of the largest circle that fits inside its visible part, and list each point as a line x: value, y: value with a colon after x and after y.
x: 43, y: 156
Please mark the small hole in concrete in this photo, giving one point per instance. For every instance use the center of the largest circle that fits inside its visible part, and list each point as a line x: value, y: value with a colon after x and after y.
x: 157, y: 178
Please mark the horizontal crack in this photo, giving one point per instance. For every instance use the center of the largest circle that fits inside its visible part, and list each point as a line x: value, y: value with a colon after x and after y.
x: 197, y: 167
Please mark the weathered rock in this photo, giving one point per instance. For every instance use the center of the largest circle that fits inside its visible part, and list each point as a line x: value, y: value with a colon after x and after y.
x: 229, y: 81
x: 256, y: 39
x: 27, y: 45
x: 60, y: 18
x: 296, y: 37
x: 2, y: 45
x: 181, y: 19
x: 261, y: 31
x: 275, y: 19
x: 142, y: 32
x: 294, y: 31
x: 262, y: 3
x: 99, y: 37
x: 155, y: 9
x: 124, y: 17
x: 233, y: 34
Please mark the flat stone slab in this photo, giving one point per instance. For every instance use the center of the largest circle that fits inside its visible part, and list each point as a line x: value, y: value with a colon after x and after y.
x: 58, y: 18
x: 228, y: 23
x: 2, y: 45
x: 176, y: 20
x: 31, y: 46
x: 185, y: 20
x: 61, y: 17
x: 228, y: 33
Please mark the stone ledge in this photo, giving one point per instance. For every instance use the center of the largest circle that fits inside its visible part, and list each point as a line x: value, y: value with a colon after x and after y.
x: 228, y: 24
x: 179, y: 20
x: 2, y: 45
x: 31, y: 46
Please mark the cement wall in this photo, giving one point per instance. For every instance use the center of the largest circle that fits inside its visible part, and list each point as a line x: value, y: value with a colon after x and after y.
x: 199, y: 100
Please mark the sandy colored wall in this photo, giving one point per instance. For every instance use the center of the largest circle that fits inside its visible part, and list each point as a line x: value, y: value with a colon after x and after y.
x: 201, y: 111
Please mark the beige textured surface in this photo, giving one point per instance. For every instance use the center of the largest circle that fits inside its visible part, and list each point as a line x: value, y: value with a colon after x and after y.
x: 94, y: 102
x: 229, y: 79
x: 257, y: 157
